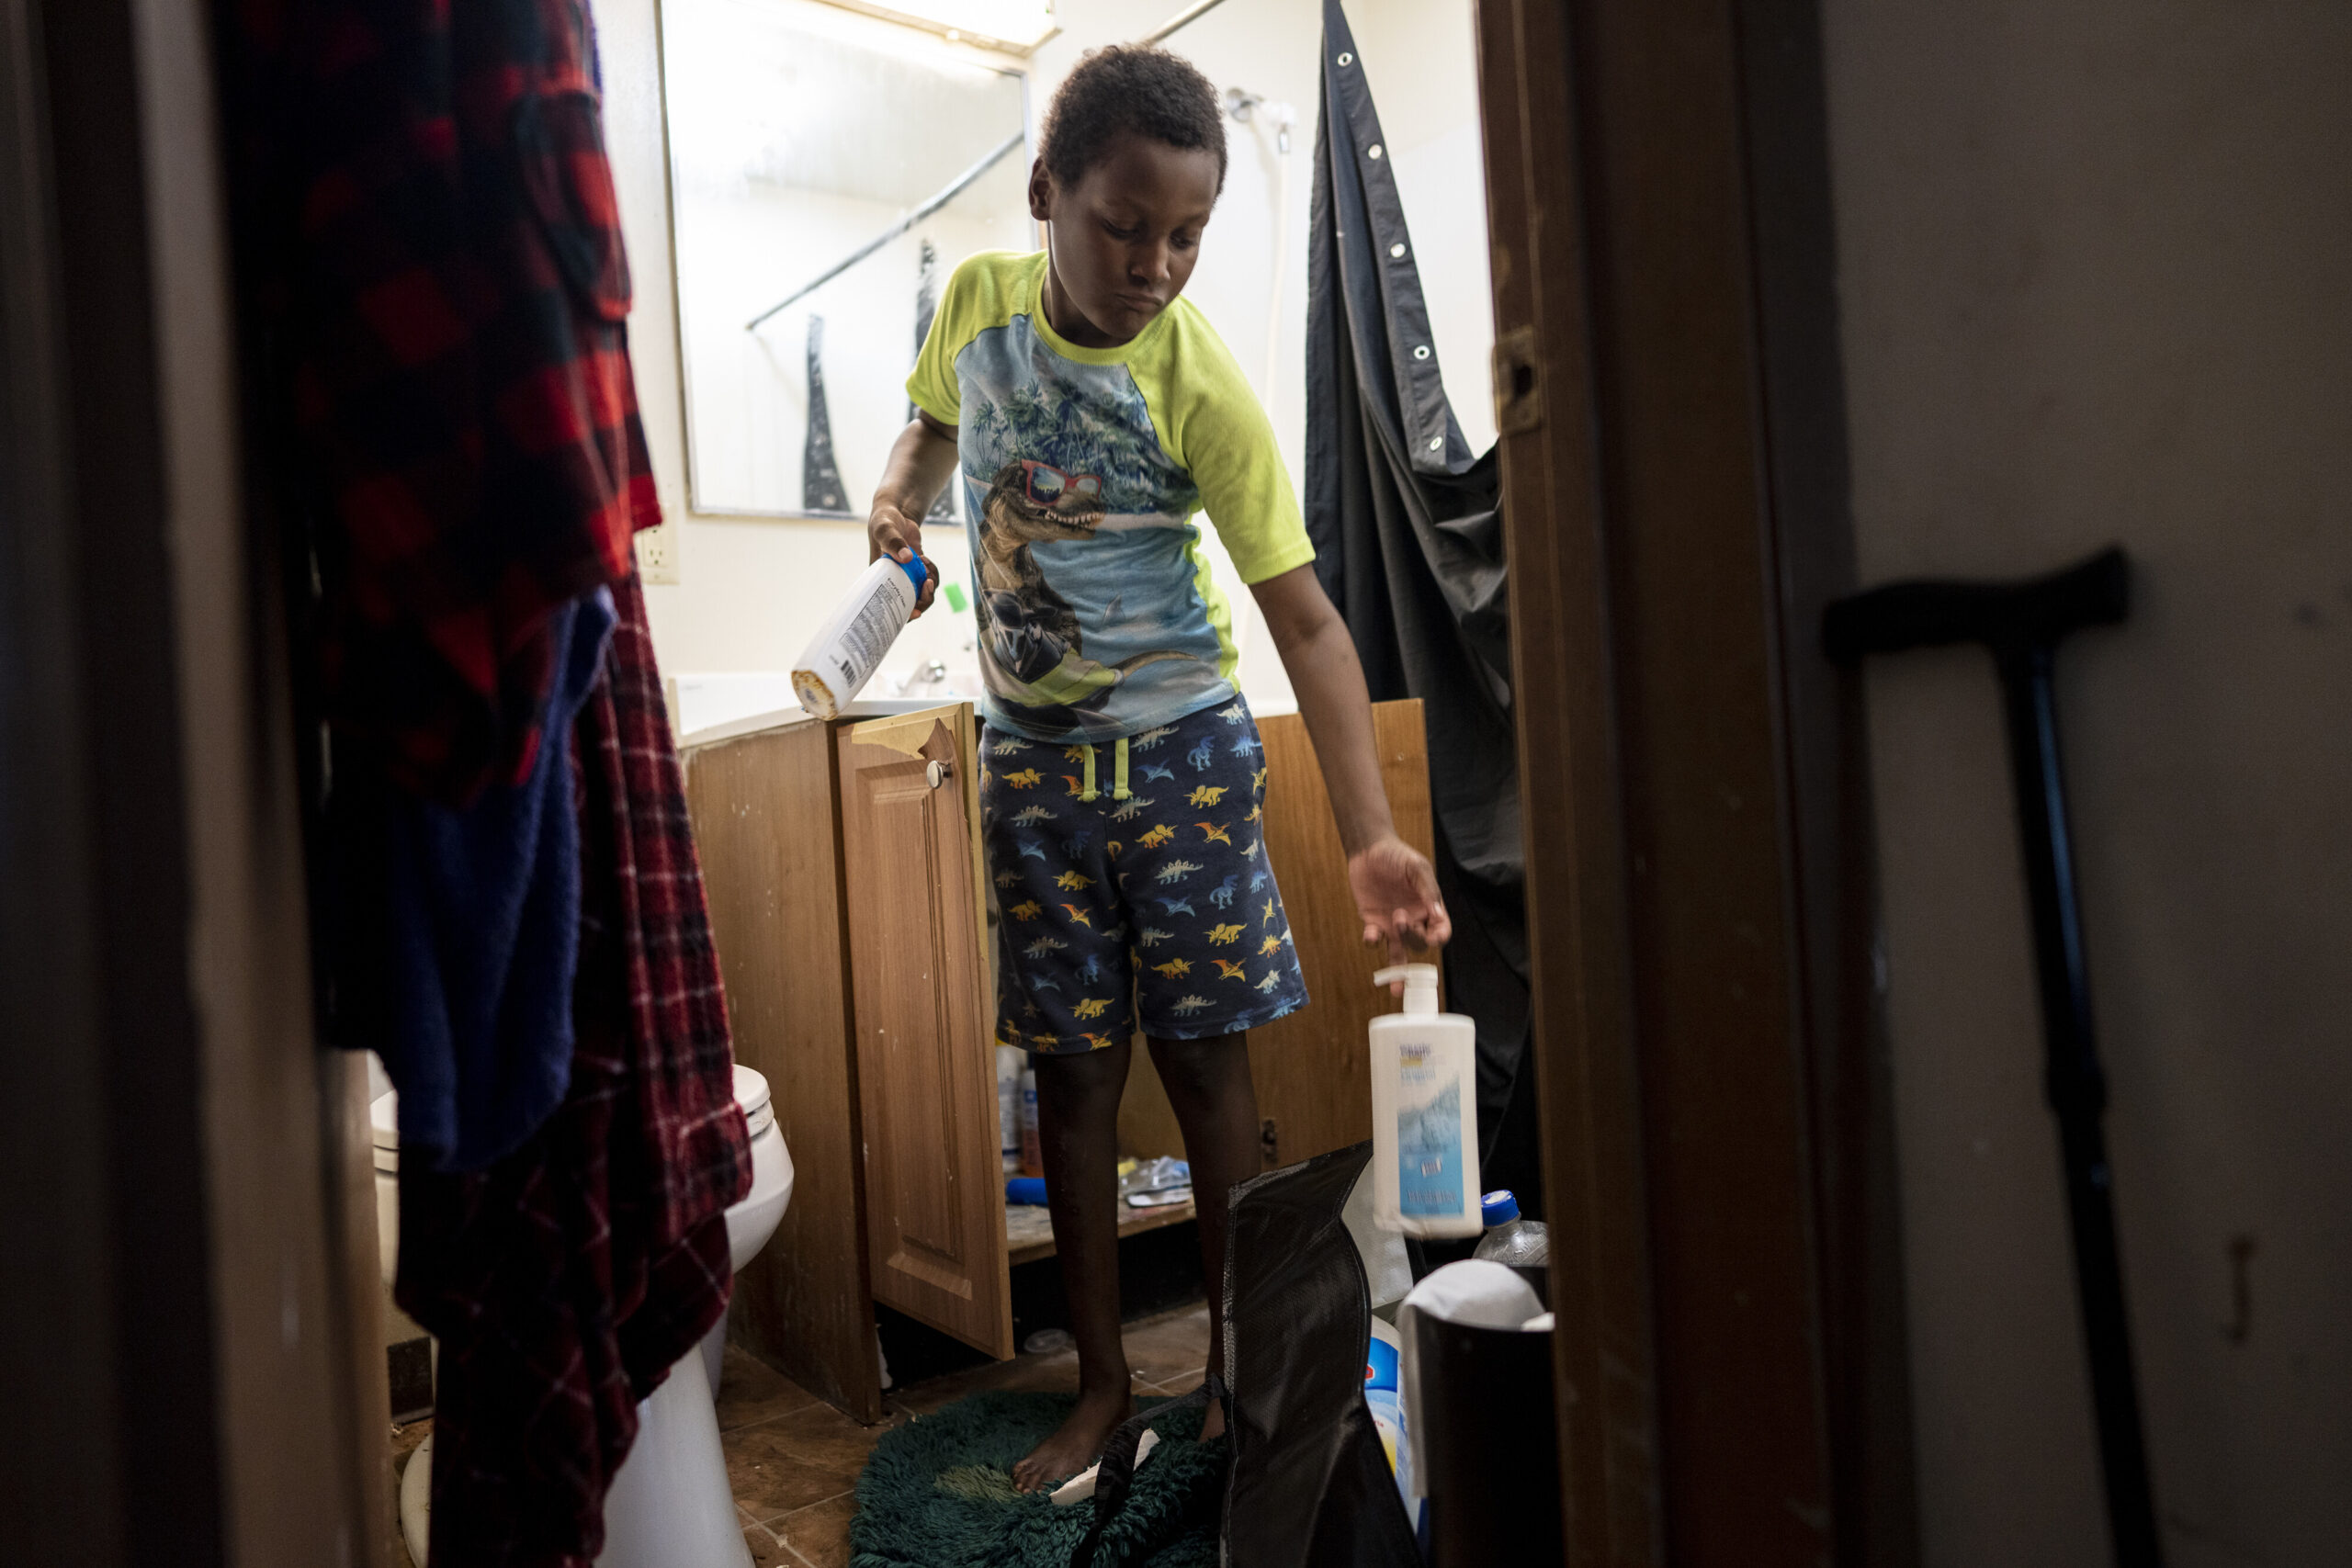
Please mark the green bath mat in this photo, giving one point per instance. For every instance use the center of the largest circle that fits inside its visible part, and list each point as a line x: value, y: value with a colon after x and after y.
x: 937, y: 1493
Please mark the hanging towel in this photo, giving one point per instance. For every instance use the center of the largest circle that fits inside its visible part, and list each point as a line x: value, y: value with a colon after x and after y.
x: 485, y: 928
x: 926, y: 303
x: 564, y: 1282
x: 821, y: 476
x: 943, y: 507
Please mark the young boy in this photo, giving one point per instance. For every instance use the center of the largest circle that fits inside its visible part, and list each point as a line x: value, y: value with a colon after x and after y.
x: 1091, y: 413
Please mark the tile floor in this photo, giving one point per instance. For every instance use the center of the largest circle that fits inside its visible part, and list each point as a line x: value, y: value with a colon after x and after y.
x: 793, y: 1461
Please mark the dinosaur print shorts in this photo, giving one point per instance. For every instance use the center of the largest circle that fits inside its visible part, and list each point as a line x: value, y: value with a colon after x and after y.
x: 1152, y: 905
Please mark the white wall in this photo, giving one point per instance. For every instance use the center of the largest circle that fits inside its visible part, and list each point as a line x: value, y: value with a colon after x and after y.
x: 752, y: 591
x: 2093, y: 263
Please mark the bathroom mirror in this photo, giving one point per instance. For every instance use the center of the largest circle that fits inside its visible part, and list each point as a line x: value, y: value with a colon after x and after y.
x: 803, y: 140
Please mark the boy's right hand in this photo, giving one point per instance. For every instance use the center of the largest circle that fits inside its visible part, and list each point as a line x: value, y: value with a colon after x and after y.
x: 887, y: 532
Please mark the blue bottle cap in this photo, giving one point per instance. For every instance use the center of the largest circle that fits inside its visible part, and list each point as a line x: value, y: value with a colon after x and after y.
x: 917, y: 573
x: 1498, y: 1207
x: 1024, y: 1190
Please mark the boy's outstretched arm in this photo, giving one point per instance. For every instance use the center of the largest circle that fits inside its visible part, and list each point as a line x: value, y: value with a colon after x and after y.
x: 922, y: 461
x: 1395, y: 886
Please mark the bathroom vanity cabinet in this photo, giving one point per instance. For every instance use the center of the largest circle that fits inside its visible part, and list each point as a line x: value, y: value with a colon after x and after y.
x: 849, y: 898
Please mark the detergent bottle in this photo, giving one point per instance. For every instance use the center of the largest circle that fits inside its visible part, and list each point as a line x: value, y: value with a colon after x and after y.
x: 850, y: 647
x: 1424, y: 1114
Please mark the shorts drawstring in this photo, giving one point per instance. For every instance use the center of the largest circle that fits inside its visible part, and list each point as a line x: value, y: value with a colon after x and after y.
x: 1118, y: 772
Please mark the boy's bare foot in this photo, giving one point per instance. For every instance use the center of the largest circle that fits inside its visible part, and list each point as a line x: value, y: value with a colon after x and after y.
x: 1212, y: 1422
x: 1076, y: 1443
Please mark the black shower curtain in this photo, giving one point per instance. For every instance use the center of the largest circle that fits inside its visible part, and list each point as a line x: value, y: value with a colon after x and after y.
x: 1408, y: 532
x: 943, y: 507
x: 821, y: 476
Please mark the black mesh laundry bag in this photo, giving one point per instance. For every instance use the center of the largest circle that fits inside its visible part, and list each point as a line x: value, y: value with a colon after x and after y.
x: 1310, y: 1485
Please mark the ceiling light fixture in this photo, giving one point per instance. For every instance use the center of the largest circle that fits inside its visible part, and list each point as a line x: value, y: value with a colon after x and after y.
x: 1013, y: 27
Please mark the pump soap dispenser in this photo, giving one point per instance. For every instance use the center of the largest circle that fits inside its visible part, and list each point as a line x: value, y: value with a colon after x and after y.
x: 1424, y: 1112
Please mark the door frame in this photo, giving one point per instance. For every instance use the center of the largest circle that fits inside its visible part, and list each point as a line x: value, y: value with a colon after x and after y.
x: 187, y: 1186
x: 1658, y: 205
x: 1730, y: 1363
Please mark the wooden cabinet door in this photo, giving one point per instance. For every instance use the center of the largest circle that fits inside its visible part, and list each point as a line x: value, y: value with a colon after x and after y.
x: 923, y: 1024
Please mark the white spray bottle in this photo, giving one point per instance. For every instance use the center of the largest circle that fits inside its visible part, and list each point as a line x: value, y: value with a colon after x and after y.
x: 850, y: 647
x: 1424, y: 1112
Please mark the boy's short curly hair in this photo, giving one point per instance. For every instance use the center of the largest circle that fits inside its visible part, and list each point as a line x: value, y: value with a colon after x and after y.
x: 1129, y: 88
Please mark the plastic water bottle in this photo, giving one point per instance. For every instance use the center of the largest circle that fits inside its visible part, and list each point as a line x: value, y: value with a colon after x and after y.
x: 1032, y: 1145
x: 1010, y: 1060
x: 1522, y: 1244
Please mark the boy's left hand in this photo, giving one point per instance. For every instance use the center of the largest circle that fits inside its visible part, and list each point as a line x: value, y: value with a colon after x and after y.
x: 1396, y: 890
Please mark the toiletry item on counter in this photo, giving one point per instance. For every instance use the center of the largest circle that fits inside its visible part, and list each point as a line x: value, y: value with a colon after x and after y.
x: 1156, y: 1183
x: 1033, y: 1149
x: 1029, y: 1189
x: 1522, y: 1244
x: 1009, y: 1060
x: 1424, y: 1112
x: 850, y: 646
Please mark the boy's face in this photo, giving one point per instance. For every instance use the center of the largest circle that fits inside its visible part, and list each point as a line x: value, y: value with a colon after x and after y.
x: 1125, y: 236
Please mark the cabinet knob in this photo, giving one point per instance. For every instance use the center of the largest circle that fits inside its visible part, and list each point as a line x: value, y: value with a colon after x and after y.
x: 938, y: 773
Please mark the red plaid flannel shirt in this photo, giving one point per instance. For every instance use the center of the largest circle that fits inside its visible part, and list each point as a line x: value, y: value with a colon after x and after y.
x: 565, y: 1280
x: 455, y: 287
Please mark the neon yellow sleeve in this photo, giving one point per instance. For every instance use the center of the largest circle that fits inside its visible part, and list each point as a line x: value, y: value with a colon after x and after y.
x: 978, y: 296
x: 1211, y: 423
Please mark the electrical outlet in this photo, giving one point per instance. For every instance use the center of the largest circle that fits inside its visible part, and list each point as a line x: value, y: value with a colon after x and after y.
x: 657, y: 554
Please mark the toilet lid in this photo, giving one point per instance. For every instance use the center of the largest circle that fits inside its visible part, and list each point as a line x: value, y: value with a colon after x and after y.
x: 384, y: 1129
x: 751, y: 1094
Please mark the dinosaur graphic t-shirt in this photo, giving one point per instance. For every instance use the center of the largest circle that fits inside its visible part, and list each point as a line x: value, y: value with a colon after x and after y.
x: 1082, y: 471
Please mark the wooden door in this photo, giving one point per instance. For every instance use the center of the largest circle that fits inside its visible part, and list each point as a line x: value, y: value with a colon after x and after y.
x: 923, y: 1022
x: 1729, y: 1361
x: 1312, y: 1071
x: 766, y: 821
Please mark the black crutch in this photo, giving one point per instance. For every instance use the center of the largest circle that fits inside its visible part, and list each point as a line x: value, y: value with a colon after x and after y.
x: 2022, y: 623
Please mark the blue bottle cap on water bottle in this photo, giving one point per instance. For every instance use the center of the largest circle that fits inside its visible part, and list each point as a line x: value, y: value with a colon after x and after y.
x: 1498, y: 1207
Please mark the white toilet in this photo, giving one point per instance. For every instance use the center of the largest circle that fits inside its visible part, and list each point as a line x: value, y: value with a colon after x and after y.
x: 670, y: 1505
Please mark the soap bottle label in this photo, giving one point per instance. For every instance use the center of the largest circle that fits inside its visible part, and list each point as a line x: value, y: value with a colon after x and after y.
x: 1428, y: 1140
